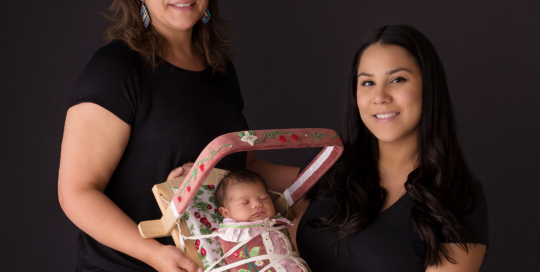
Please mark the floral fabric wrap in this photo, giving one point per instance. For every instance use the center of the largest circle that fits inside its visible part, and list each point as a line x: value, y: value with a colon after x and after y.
x: 202, y: 217
x: 266, y: 237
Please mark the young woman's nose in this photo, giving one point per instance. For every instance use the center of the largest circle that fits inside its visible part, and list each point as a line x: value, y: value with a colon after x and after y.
x: 381, y: 95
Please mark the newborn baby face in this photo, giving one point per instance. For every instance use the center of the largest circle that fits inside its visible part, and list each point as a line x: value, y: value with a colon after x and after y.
x: 247, y: 202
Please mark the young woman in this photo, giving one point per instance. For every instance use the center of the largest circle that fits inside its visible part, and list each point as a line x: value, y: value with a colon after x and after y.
x: 401, y: 197
x: 147, y: 102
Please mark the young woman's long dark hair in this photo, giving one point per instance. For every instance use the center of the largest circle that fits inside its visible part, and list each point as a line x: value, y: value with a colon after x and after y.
x: 442, y: 184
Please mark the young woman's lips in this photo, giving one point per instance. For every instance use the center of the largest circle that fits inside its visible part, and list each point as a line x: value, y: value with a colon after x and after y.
x: 382, y: 118
x: 182, y: 6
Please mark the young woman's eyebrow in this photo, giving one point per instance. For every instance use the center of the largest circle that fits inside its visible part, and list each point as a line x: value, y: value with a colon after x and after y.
x: 364, y: 74
x: 397, y: 70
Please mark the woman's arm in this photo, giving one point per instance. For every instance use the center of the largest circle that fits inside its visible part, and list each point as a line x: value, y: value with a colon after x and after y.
x: 94, y: 141
x: 465, y: 262
x: 277, y: 177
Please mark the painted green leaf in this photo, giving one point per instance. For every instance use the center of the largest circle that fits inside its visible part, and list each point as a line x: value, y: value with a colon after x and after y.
x: 202, y: 205
x: 254, y: 251
x: 251, y: 133
x: 205, y: 231
x: 243, y: 270
x: 211, y: 199
x: 219, y: 217
x: 241, y: 134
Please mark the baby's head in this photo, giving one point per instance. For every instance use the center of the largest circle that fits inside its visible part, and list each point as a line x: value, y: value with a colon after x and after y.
x: 243, y: 196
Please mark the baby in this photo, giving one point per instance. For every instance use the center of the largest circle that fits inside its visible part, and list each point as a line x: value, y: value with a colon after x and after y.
x: 252, y: 229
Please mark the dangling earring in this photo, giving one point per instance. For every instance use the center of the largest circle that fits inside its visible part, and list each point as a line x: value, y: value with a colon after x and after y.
x: 206, y: 17
x: 145, y: 16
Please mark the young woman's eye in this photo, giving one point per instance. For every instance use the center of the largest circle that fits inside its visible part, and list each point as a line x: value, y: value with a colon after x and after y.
x: 367, y: 83
x: 398, y: 80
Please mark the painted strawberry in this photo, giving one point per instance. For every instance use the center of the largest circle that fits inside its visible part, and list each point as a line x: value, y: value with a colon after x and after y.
x: 188, y: 189
x: 211, y: 186
x: 197, y: 215
x: 179, y: 199
x: 201, y: 167
x: 294, y: 137
x: 236, y: 254
x: 282, y: 139
x: 203, y: 252
x: 340, y: 140
x: 209, y: 207
x: 197, y: 244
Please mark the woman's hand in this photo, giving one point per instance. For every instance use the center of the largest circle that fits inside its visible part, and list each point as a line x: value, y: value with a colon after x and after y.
x: 172, y: 259
x: 180, y: 170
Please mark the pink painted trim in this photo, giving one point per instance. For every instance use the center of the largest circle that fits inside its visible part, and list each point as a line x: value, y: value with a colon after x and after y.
x: 269, y: 143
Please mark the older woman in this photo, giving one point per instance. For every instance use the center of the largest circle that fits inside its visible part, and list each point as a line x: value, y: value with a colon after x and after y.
x: 147, y: 102
x: 401, y: 197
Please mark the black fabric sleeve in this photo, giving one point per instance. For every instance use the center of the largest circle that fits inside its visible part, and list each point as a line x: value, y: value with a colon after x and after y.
x: 476, y: 220
x: 110, y: 80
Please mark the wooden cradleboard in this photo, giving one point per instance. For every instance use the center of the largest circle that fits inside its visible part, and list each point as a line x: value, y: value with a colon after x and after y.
x: 203, y: 172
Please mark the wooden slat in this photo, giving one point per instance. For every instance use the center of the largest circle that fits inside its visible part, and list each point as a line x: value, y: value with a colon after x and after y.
x: 165, y: 189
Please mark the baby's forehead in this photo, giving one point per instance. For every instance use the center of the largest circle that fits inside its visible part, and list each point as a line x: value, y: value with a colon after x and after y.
x: 245, y: 189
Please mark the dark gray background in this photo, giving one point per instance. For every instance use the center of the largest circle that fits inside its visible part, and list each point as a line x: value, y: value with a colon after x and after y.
x: 292, y: 59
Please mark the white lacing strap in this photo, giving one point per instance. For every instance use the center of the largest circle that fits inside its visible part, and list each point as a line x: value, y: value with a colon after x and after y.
x: 274, y: 258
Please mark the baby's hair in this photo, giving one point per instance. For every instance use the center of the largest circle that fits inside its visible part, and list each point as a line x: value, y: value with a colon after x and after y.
x: 232, y: 178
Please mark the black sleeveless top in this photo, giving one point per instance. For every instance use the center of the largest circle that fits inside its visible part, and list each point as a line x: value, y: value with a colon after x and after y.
x: 390, y: 243
x: 173, y: 114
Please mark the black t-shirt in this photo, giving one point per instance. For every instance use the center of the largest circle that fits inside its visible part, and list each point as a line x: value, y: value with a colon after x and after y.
x: 390, y: 243
x: 173, y: 114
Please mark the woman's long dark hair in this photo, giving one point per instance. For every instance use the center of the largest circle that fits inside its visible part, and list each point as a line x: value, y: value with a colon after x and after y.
x: 442, y: 184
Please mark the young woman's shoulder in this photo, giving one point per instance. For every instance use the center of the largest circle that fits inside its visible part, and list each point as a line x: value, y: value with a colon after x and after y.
x: 476, y: 220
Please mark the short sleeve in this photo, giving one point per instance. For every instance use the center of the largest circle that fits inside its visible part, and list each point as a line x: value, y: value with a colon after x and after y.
x: 476, y: 220
x: 110, y: 80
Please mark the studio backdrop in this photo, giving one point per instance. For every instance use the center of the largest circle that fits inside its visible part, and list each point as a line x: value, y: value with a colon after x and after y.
x: 292, y: 60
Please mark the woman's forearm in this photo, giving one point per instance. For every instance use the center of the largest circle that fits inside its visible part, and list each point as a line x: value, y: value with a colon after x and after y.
x: 277, y: 177
x: 95, y: 214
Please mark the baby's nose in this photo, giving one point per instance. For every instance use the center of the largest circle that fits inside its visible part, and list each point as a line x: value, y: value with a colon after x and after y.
x: 257, y: 204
